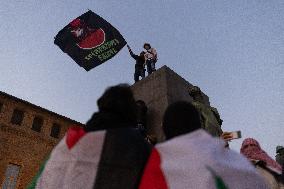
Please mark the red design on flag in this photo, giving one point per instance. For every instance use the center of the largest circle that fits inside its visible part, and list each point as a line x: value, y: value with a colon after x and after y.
x: 153, y: 176
x: 87, y: 37
x: 93, y: 40
x: 73, y: 136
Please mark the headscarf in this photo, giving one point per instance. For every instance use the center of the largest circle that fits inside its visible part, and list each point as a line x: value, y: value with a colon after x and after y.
x: 252, y: 150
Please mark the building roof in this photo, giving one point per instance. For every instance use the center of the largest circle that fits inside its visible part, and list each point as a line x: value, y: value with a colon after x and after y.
x: 38, y: 107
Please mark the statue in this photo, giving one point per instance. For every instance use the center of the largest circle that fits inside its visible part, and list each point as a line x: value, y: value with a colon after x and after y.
x: 210, y: 117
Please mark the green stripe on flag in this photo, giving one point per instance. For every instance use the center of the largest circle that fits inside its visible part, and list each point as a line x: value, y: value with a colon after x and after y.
x: 32, y: 185
x: 219, y: 183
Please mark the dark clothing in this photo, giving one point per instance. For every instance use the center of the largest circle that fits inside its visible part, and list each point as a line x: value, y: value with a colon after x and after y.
x: 140, y: 60
x: 123, y: 158
x: 106, y: 120
x: 124, y: 154
x: 150, y: 66
x: 139, y: 66
x: 139, y: 72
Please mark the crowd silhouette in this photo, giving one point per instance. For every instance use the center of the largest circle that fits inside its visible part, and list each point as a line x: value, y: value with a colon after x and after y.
x: 113, y: 150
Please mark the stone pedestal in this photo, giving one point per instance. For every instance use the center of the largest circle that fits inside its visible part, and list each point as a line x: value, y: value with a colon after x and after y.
x: 158, y: 90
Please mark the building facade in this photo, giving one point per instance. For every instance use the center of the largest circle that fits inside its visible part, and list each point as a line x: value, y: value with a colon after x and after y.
x: 28, y: 133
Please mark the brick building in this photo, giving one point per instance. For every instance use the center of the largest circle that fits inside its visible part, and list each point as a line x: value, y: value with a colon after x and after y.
x: 27, y: 135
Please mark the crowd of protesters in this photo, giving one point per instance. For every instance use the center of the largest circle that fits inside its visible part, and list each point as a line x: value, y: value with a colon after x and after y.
x: 111, y: 152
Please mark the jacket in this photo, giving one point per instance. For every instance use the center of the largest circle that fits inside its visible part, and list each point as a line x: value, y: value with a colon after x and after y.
x: 140, y: 61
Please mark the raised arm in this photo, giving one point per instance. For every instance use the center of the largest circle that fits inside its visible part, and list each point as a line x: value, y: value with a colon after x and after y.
x: 131, y: 53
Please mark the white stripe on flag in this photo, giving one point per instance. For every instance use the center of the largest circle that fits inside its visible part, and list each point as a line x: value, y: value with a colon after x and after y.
x: 184, y: 162
x: 75, y: 168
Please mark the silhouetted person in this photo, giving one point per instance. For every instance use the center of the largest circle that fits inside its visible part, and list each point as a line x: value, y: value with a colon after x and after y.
x: 117, y: 109
x: 180, y: 118
x: 109, y: 152
x: 139, y: 65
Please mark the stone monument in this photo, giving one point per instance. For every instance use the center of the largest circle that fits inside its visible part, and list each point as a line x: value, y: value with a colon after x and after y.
x: 162, y: 88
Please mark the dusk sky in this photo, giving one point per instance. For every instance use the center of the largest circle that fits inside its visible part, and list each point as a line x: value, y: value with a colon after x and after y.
x: 233, y: 50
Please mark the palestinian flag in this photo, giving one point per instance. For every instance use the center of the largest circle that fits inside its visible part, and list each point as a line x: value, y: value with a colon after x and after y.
x: 102, y: 159
x: 90, y: 40
x: 198, y: 161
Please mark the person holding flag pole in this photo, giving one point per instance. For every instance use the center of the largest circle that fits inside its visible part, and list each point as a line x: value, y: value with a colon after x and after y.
x: 139, y: 65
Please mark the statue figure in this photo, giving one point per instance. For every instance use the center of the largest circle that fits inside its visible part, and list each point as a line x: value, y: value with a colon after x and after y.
x: 210, y: 117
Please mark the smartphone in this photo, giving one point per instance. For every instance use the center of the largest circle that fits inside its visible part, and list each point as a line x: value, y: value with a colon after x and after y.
x: 236, y: 134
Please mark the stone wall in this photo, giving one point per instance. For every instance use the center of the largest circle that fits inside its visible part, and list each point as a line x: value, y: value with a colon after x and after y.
x: 158, y: 90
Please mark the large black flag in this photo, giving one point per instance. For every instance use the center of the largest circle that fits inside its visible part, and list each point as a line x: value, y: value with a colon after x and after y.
x: 90, y: 40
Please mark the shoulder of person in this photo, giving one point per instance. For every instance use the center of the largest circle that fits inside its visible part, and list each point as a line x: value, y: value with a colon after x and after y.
x: 263, y: 165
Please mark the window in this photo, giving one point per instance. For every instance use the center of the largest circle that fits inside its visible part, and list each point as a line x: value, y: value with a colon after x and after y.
x: 11, y: 176
x: 17, y: 117
x: 55, y: 130
x: 37, y: 124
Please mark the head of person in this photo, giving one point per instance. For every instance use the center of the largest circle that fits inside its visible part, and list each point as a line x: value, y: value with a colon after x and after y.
x: 119, y: 100
x: 142, y: 54
x: 249, y: 146
x: 117, y: 108
x: 252, y: 150
x: 180, y: 118
x: 147, y: 46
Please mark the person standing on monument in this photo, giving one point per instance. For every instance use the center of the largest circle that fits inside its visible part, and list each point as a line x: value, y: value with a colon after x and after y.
x: 151, y: 57
x: 140, y: 64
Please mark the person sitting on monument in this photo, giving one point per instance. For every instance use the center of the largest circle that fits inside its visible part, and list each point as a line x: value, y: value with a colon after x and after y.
x: 264, y: 164
x: 151, y: 58
x: 140, y: 64
x: 109, y: 152
x: 191, y: 158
